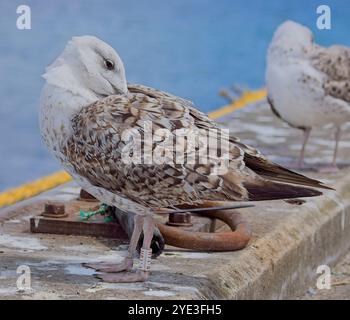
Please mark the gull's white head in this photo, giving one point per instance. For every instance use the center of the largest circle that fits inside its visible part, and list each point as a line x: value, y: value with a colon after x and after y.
x: 88, y: 64
x: 292, y: 38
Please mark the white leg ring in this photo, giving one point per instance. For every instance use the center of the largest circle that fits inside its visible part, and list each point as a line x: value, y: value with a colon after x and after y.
x: 145, y: 259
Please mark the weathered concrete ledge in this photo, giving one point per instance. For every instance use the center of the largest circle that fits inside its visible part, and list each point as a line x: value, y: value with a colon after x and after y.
x: 282, y: 262
x: 289, y: 241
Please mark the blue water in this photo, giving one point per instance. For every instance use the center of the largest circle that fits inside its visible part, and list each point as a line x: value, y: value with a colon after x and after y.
x: 188, y: 47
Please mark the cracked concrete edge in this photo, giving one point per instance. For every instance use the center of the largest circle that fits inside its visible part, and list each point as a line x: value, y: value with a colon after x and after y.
x: 282, y: 264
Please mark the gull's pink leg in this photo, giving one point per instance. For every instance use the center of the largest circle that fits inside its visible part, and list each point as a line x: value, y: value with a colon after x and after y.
x: 127, y: 263
x: 302, y: 152
x: 333, y: 168
x: 299, y: 164
x: 142, y: 273
x: 337, y: 138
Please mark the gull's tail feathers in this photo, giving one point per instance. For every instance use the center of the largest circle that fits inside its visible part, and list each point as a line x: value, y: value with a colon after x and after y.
x: 270, y: 190
x: 274, y: 172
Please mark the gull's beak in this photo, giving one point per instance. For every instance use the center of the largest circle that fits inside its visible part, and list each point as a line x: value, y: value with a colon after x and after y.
x: 119, y: 87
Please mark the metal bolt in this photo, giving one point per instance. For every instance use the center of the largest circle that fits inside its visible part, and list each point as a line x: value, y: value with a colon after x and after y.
x: 180, y: 219
x: 54, y: 210
x: 86, y: 196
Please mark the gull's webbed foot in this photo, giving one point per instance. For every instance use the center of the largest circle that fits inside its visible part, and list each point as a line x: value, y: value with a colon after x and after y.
x: 332, y: 168
x: 111, y: 271
x: 125, y: 277
x: 125, y: 265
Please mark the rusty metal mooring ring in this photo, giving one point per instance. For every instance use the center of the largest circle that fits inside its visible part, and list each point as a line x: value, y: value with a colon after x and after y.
x: 236, y: 239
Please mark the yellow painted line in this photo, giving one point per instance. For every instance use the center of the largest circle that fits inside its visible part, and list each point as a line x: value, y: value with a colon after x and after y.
x: 43, y: 184
x: 246, y: 98
x: 33, y: 188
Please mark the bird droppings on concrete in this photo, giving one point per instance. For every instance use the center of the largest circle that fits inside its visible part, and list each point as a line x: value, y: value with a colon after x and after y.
x: 5, y: 292
x: 192, y: 255
x: 191, y: 290
x: 36, y: 222
x: 71, y: 190
x: 78, y: 269
x: 49, y: 265
x: 14, y: 221
x: 115, y: 286
x: 158, y: 293
x: 22, y: 243
x: 5, y: 274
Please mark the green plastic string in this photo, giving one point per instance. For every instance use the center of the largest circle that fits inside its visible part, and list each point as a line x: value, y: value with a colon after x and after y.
x: 102, y: 210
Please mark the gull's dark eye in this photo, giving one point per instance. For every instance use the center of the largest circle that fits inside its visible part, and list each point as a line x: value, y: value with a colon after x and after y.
x: 109, y: 64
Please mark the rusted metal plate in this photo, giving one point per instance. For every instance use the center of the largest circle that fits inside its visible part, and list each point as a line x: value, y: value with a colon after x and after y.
x: 71, y: 223
x: 96, y: 226
x: 72, y: 226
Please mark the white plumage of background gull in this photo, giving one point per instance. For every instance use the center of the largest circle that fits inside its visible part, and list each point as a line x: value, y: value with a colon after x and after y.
x: 308, y: 85
x: 86, y: 104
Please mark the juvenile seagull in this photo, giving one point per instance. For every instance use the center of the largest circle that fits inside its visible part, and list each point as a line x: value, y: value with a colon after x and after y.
x: 308, y: 85
x: 86, y: 106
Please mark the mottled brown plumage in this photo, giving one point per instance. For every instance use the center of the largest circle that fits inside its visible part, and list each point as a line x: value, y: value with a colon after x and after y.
x: 334, y: 62
x: 95, y: 151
